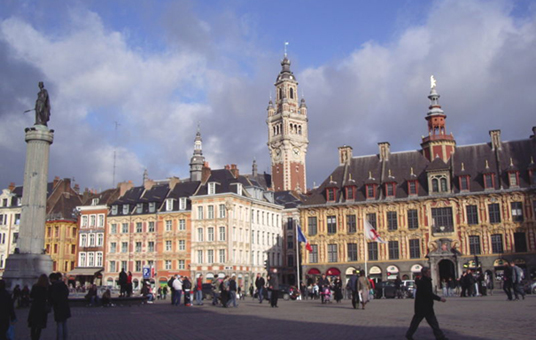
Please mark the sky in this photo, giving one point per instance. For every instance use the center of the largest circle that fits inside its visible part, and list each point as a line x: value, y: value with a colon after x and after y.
x: 138, y: 78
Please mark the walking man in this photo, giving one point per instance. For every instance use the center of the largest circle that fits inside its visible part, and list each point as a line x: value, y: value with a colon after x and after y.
x: 517, y: 276
x: 352, y: 284
x: 199, y: 291
x: 424, y: 306
x: 259, y: 284
x: 177, y: 287
x: 274, y: 287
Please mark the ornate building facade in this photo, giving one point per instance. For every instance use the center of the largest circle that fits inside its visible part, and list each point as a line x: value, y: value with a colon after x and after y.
x: 10, y: 210
x: 445, y: 206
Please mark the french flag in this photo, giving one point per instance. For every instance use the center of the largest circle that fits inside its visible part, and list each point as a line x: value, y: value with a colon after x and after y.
x: 371, y: 233
x: 301, y: 238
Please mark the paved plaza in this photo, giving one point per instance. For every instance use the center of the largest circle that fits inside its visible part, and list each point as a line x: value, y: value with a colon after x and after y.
x: 490, y: 317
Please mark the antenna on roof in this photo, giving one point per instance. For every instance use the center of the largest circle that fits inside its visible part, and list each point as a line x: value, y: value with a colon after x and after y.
x: 115, y: 151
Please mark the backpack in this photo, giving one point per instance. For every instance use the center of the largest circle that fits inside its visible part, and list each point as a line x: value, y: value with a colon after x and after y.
x: 170, y: 283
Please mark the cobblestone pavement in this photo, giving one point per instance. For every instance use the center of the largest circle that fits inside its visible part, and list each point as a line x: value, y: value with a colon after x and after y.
x: 490, y: 317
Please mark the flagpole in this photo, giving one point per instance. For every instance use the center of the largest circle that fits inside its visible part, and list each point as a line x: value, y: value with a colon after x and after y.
x: 297, y: 259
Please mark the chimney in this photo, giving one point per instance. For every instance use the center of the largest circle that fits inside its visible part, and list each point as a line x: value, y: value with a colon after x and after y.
x: 66, y: 184
x: 76, y: 188
x: 205, y: 173
x: 254, y: 171
x: 148, y: 184
x: 495, y: 139
x: 11, y: 186
x: 55, y: 182
x: 345, y: 154
x: 385, y: 150
x: 173, y: 181
x: 234, y: 171
x: 124, y: 187
x: 227, y: 167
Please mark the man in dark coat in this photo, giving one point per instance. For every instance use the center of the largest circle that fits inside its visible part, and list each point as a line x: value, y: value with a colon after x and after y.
x: 123, y: 278
x: 259, y: 284
x: 323, y: 283
x: 7, y: 311
x: 352, y: 284
x: 424, y: 306
x: 507, y: 282
x: 59, y: 298
x: 274, y: 286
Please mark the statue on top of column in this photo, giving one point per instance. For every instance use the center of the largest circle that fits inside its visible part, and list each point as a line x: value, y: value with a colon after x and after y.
x: 42, y: 106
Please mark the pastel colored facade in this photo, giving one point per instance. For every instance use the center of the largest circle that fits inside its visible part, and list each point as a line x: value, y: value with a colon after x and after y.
x: 10, y: 213
x: 236, y: 227
x: 454, y: 208
x: 61, y: 227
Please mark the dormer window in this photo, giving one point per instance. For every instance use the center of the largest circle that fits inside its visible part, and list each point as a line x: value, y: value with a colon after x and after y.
x: 95, y: 201
x: 169, y: 204
x: 152, y: 207
x: 139, y: 208
x: 464, y: 183
x: 412, y: 187
x: 513, y: 178
x: 19, y: 202
x: 370, y: 191
x: 239, y: 188
x: 350, y: 193
x: 125, y: 209
x: 182, y: 203
x: 330, y: 194
x: 439, y: 183
x: 114, y: 209
x: 212, y: 188
x: 489, y: 181
x: 390, y: 189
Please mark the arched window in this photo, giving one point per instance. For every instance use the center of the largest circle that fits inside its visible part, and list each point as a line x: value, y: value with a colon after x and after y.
x: 291, y: 93
x: 444, y: 185
x: 435, y: 185
x: 280, y: 94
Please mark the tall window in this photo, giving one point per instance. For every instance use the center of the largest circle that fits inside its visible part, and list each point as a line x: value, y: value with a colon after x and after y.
x: 221, y: 210
x: 200, y: 234
x: 100, y: 239
x: 517, y: 211
x: 474, y: 245
x: 313, y: 256
x: 124, y: 228
x: 312, y: 226
x: 169, y: 225
x: 497, y: 244
x: 372, y: 251
x: 290, y: 242
x: 221, y: 255
x: 199, y: 256
x: 332, y: 224
x: 352, y: 252
x: 150, y: 246
x: 199, y: 213
x: 390, y: 189
x: 139, y: 228
x: 371, y: 191
x: 181, y: 264
x: 83, y: 240
x: 182, y: 224
x: 413, y: 219
x: 464, y: 183
x: 520, y: 242
x: 488, y: 181
x: 222, y: 234
x: 112, y: 267
x: 392, y: 221
x: 414, y: 249
x: 99, y: 259
x: 513, y: 178
x: 138, y: 247
x: 442, y: 217
x: 151, y: 227
x: 113, y: 228
x: 210, y: 211
x: 412, y: 187
x: 138, y: 266
x: 182, y: 244
x: 351, y: 224
x: 113, y: 247
x: 494, y: 213
x: 472, y: 214
x: 210, y: 234
x: 124, y: 247
x: 371, y: 218
x: 167, y: 264
x: 330, y: 193
x: 332, y: 253
x: 168, y: 245
x: 210, y: 256
x: 393, y: 250
x: 82, y: 259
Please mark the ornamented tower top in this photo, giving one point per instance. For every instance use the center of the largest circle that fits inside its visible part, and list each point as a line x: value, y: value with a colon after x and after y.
x: 437, y: 143
x: 197, y: 161
x: 287, y: 133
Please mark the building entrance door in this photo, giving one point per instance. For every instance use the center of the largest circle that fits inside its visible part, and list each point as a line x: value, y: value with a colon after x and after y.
x: 446, y: 270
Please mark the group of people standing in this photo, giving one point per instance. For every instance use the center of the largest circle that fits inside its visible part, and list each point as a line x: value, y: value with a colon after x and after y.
x: 270, y: 285
x: 48, y: 294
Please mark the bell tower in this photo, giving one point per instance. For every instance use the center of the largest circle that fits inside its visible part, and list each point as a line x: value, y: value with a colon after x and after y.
x: 287, y: 133
x: 437, y: 143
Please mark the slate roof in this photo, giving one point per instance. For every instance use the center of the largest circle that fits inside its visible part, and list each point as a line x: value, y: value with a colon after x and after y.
x: 473, y: 157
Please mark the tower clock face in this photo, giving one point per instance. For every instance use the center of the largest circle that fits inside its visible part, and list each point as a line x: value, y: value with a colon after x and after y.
x: 277, y: 154
x: 296, y: 152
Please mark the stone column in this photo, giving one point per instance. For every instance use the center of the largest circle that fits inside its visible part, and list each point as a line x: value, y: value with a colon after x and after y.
x: 29, y: 260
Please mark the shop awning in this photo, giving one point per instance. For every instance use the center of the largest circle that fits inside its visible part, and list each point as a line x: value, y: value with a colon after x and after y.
x: 313, y: 271
x: 85, y: 271
x: 333, y: 272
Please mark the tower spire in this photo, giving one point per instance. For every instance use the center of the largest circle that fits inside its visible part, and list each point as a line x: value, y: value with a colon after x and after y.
x: 197, y: 160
